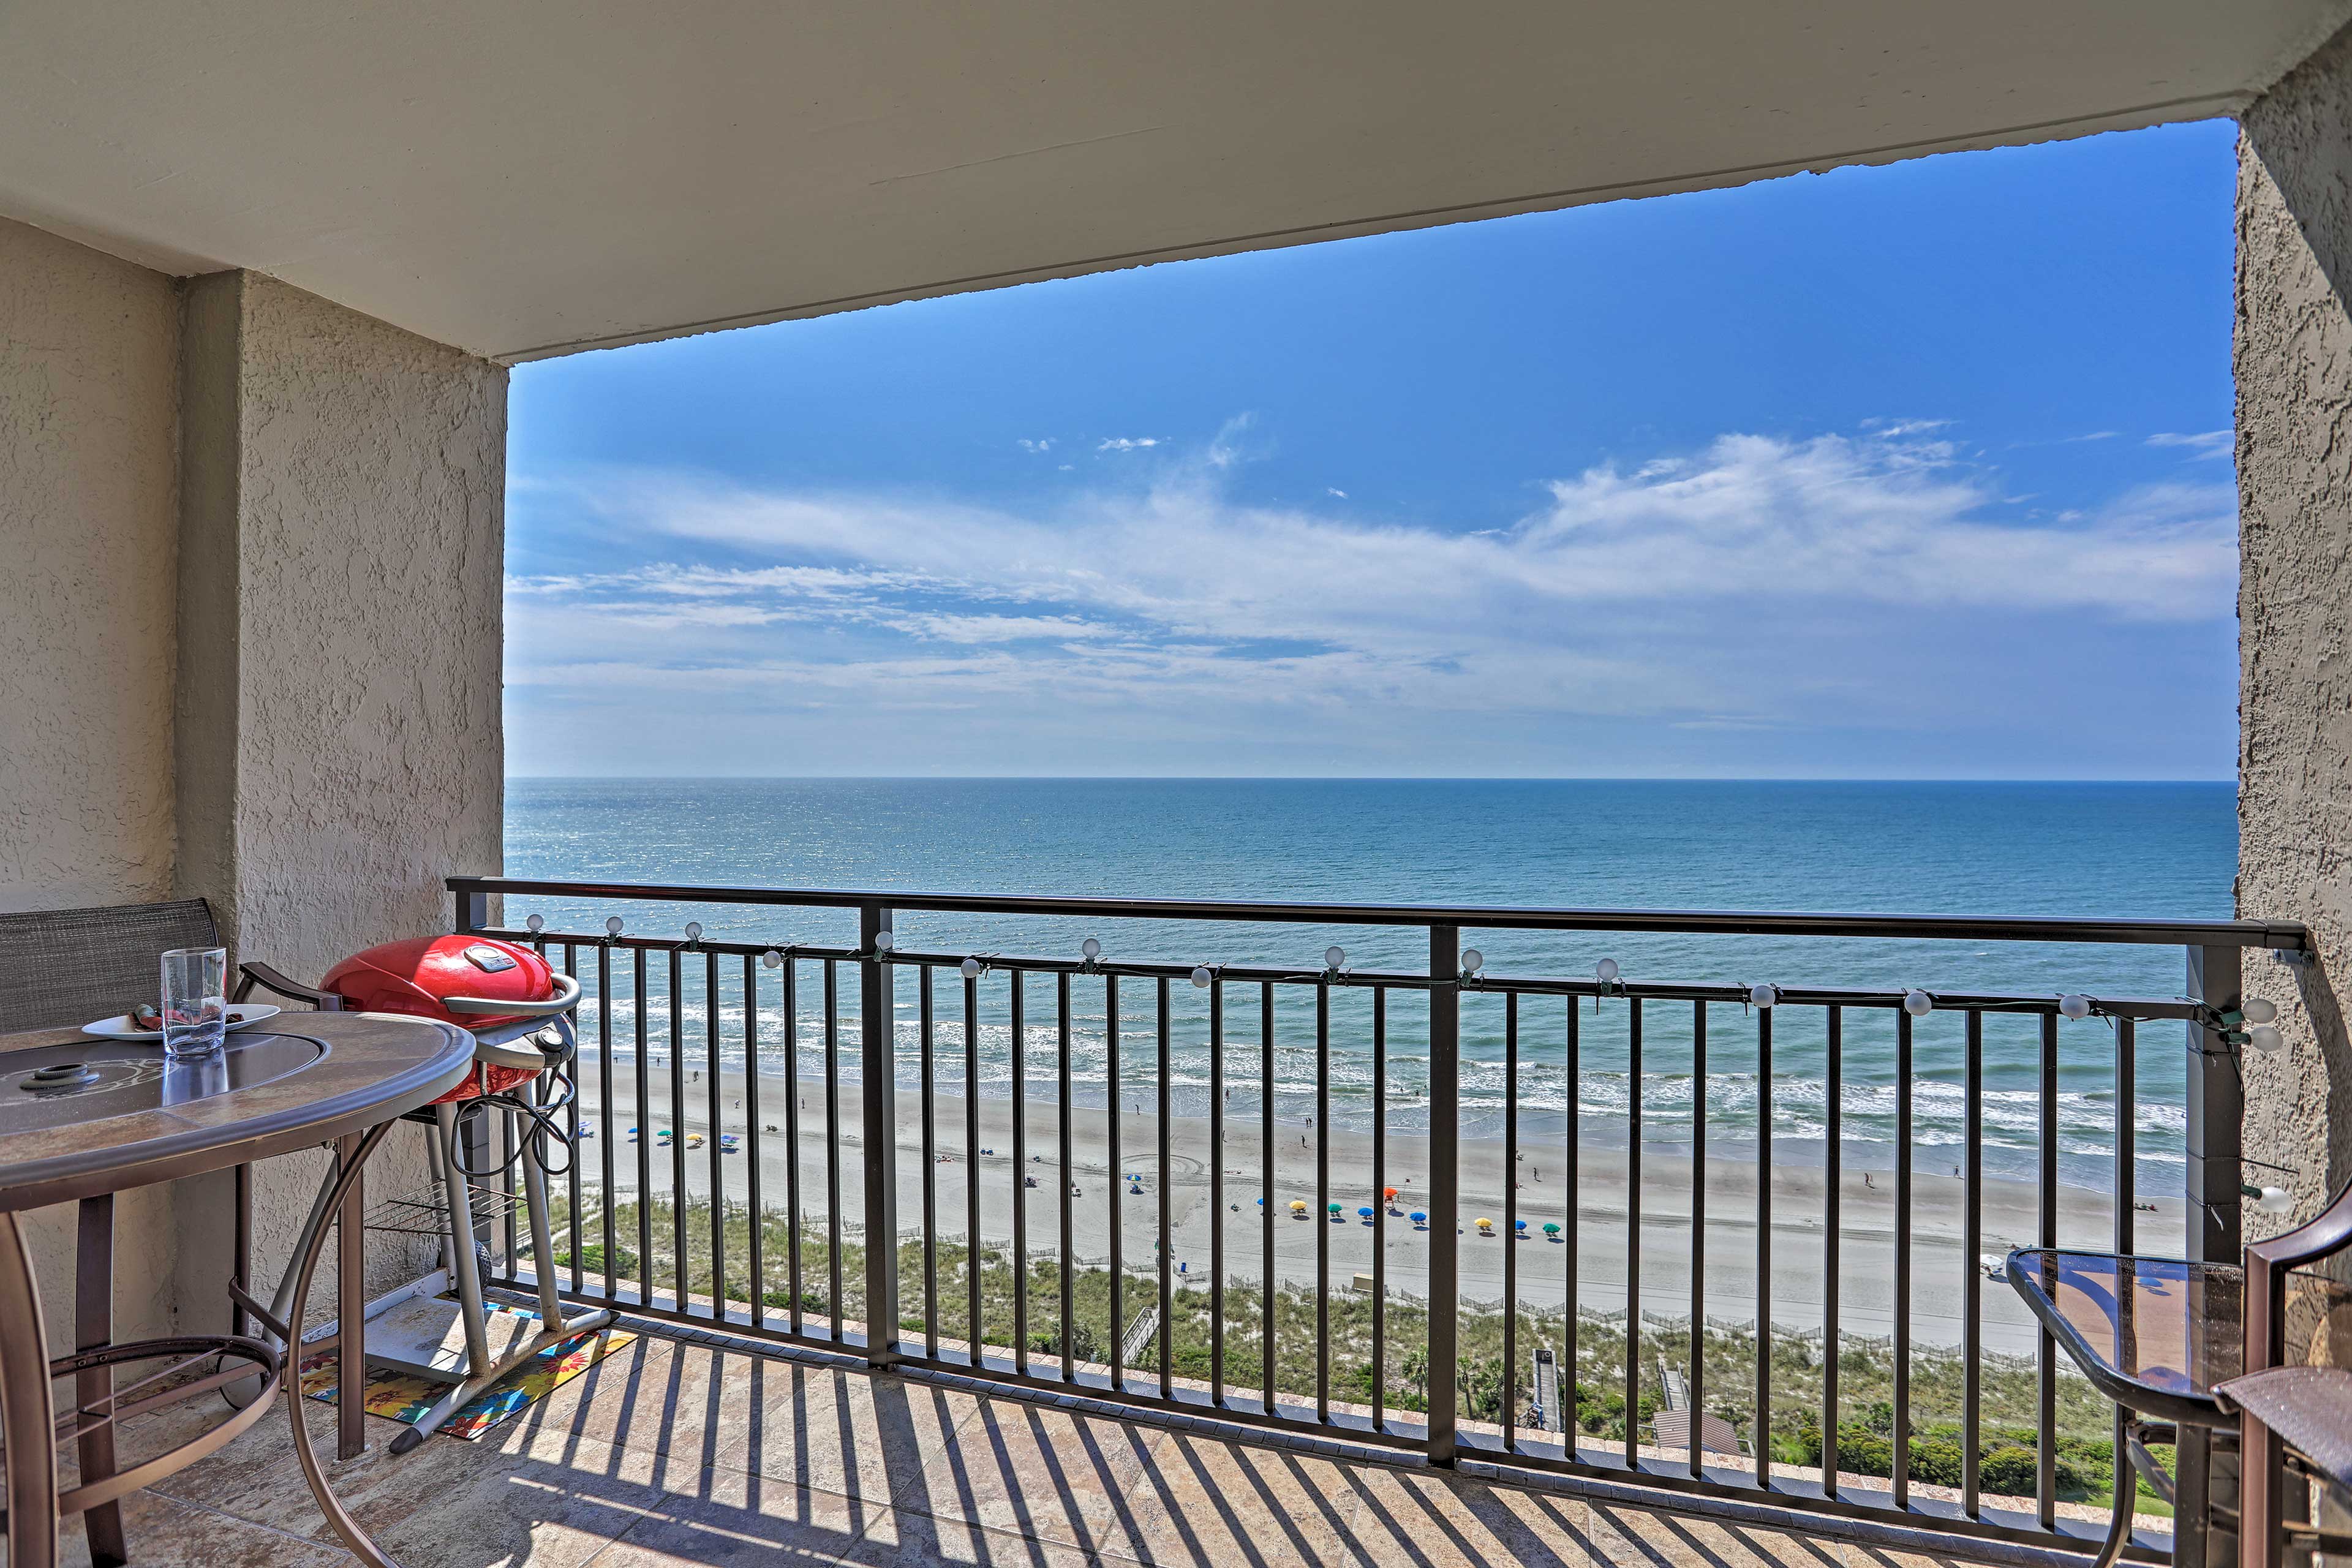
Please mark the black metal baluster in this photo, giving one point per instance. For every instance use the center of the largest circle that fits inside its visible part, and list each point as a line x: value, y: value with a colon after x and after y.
x: 1167, y: 1244
x: 1062, y: 1139
x: 1762, y: 1440
x: 752, y: 1129
x: 837, y: 1307
x: 1265, y: 1302
x: 1511, y: 1218
x: 1117, y: 1185
x: 681, y: 1258
x: 1698, y: 1233
x: 1902, y: 1260
x: 1971, y: 1274
x: 1323, y: 1200
x: 1634, y: 1234
x: 1379, y: 1184
x: 645, y: 1142
x: 2046, y: 1385
x: 572, y: 1118
x: 1020, y: 1178
x: 1216, y: 1189
x: 718, y: 1171
x: 1573, y: 1071
x: 2126, y: 1133
x: 1832, y: 1170
x: 793, y: 1139
x: 928, y: 1111
x: 971, y: 1164
x: 604, y: 1111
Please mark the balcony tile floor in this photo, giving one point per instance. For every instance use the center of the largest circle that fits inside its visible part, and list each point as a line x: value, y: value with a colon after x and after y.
x: 674, y: 1452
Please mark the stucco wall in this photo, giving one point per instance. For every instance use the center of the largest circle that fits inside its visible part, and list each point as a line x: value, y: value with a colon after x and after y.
x: 89, y: 541
x: 341, y: 714
x: 2293, y: 365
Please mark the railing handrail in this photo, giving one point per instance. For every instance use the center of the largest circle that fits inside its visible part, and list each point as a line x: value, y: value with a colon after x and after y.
x: 2278, y: 935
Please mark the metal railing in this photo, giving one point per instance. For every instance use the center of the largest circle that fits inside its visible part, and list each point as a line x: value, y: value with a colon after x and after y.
x: 1015, y: 1298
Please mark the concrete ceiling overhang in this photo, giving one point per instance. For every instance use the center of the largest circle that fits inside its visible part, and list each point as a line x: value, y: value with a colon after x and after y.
x: 523, y: 178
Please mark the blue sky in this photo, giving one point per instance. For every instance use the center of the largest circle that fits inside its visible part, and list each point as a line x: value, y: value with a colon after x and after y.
x: 1919, y: 471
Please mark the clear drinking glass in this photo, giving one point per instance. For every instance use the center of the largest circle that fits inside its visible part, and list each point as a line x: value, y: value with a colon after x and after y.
x: 195, y: 1004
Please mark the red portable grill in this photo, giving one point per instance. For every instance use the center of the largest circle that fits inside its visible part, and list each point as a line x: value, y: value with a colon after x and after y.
x: 496, y: 990
x: 516, y: 1007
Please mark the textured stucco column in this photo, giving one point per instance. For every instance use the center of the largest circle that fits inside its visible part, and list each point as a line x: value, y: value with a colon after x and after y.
x: 339, y: 729
x: 2293, y: 366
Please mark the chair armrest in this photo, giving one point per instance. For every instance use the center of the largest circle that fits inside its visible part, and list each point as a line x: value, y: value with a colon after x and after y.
x: 250, y: 976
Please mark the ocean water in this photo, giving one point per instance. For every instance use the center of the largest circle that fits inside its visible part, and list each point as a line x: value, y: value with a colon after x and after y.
x: 2166, y: 850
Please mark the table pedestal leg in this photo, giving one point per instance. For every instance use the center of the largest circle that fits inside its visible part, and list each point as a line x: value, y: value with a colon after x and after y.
x: 94, y: 1390
x: 28, y: 1420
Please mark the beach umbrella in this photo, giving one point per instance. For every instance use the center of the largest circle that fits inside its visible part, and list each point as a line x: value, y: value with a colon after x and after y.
x: 1420, y: 1220
x: 1365, y: 1214
x: 1486, y: 1225
x: 1551, y: 1229
x: 1335, y: 1210
x: 1299, y: 1206
x: 1520, y: 1228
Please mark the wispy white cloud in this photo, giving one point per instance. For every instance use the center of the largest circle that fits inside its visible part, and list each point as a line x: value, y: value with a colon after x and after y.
x: 1756, y: 583
x: 1042, y: 444
x: 1334, y: 490
x: 2200, y: 444
x: 1128, y: 442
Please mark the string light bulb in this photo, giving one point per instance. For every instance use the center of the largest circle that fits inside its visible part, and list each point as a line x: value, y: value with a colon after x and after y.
x: 1334, y: 957
x: 1091, y: 948
x: 1201, y: 976
x: 2074, y: 1004
x: 1473, y: 960
x: 1608, y: 971
x: 2259, y: 1010
x: 613, y: 926
x: 1919, y: 1003
x: 2274, y: 1200
x: 1764, y: 995
x: 883, y: 942
x: 2265, y: 1037
x: 772, y: 959
x: 970, y: 968
x: 537, y: 923
x: 694, y: 931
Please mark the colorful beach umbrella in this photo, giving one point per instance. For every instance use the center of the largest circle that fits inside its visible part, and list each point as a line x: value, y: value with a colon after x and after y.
x: 1299, y: 1206
x: 1420, y: 1220
x: 1551, y: 1228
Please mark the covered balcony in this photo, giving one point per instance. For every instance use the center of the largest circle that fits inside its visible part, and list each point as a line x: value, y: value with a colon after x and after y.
x: 263, y: 272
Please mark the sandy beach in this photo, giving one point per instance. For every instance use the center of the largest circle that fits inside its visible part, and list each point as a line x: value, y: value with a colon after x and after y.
x: 1941, y: 1267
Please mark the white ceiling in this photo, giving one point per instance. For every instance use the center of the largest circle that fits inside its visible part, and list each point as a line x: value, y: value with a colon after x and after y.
x: 527, y: 177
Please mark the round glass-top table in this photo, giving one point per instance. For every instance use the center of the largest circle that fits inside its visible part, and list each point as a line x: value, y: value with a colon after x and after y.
x: 82, y: 1119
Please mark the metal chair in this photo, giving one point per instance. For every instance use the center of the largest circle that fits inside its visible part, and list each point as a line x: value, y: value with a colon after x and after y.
x: 2293, y: 1401
x: 60, y: 969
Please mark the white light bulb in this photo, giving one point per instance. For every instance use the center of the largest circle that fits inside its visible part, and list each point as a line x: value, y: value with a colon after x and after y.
x: 1608, y: 971
x: 1201, y: 977
x: 1919, y: 1003
x: 970, y: 968
x: 2274, y: 1200
x: 537, y: 923
x: 2074, y: 1004
x: 2266, y: 1037
x: 2256, y: 1010
x: 613, y: 926
x: 694, y: 931
x: 1766, y: 996
x: 1333, y: 957
x: 1091, y: 948
x: 772, y: 959
x: 1472, y: 961
x: 883, y: 942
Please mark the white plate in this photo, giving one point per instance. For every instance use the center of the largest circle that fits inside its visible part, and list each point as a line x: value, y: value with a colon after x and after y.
x: 240, y: 1015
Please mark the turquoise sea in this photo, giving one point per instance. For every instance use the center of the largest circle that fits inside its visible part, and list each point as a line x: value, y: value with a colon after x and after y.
x: 2157, y: 850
